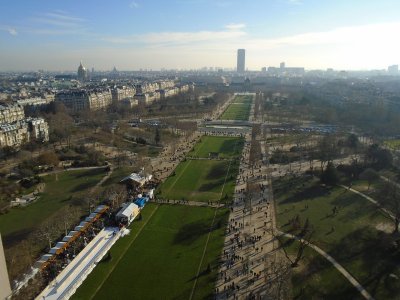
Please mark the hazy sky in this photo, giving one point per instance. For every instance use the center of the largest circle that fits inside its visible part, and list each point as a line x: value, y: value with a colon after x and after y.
x: 57, y: 34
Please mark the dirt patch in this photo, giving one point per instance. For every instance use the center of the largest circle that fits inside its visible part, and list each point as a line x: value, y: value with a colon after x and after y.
x: 385, y: 227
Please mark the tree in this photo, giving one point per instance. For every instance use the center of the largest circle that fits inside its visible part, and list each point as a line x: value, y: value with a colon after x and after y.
x: 352, y: 141
x: 304, y: 240
x: 391, y: 200
x: 46, y: 232
x: 157, y: 137
x: 370, y: 175
x: 327, y: 149
x: 378, y: 157
x: 330, y: 175
x: 48, y: 158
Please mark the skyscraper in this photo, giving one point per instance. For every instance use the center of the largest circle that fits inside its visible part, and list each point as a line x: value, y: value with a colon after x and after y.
x: 241, y: 60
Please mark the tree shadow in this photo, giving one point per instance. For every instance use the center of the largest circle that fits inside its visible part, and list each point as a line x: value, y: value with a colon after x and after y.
x: 217, y: 171
x: 309, y: 193
x: 189, y: 233
x: 211, y: 185
x: 376, y: 255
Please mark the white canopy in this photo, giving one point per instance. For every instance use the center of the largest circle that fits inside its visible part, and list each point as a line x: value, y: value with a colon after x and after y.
x: 129, y: 211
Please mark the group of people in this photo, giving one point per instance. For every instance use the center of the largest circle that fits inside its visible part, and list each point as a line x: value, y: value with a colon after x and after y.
x: 243, y: 258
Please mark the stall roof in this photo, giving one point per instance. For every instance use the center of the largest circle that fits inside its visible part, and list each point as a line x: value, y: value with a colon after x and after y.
x: 100, y: 208
x: 67, y: 238
x: 73, y: 232
x: 136, y: 178
x: 43, y: 260
x: 61, y: 244
x: 141, y: 201
x: 88, y: 219
x: 128, y: 211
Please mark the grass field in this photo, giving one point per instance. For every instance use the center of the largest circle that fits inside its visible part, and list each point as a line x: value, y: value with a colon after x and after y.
x: 161, y: 261
x: 201, y: 180
x: 392, y: 144
x: 226, y: 147
x: 316, y: 278
x: 239, y: 109
x: 19, y: 222
x: 351, y: 236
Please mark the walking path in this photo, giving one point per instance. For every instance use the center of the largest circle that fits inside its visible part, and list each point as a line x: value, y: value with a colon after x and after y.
x: 190, y: 203
x: 339, y: 267
x: 389, y: 213
x: 251, y: 261
x: 72, y: 169
x: 389, y: 180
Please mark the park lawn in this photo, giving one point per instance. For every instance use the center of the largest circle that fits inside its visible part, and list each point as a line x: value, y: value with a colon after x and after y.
x: 226, y: 147
x: 237, y: 111
x: 18, y: 222
x: 392, y: 144
x: 162, y: 262
x: 351, y: 236
x: 201, y: 180
x: 316, y: 277
x: 248, y: 99
x: 117, y: 175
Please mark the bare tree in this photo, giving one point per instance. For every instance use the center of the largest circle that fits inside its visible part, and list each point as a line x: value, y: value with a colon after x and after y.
x: 46, y: 232
x: 391, y: 201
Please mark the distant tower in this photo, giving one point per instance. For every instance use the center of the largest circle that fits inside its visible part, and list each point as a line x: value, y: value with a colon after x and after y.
x: 282, y: 65
x: 241, y: 56
x: 5, y: 289
x: 82, y: 73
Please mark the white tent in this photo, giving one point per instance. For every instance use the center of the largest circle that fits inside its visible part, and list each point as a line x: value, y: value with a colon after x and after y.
x: 128, y: 212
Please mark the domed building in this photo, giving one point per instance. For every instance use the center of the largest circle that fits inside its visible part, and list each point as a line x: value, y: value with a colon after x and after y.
x: 82, y: 73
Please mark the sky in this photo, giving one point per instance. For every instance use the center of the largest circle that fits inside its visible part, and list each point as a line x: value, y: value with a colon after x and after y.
x: 187, y: 34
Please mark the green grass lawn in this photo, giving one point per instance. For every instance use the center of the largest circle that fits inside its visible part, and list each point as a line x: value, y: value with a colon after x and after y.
x: 20, y: 221
x: 393, y: 144
x: 227, y: 147
x: 117, y: 175
x: 239, y: 109
x: 201, y: 180
x: 316, y: 278
x: 351, y: 237
x: 248, y: 99
x: 236, y: 111
x: 161, y: 262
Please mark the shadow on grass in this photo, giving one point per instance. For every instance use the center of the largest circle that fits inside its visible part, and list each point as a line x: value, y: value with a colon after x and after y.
x: 83, y: 186
x: 191, y: 232
x: 14, y: 238
x: 217, y: 171
x: 211, y: 185
x: 312, y: 288
x: 90, y: 172
x: 376, y: 257
x: 309, y: 193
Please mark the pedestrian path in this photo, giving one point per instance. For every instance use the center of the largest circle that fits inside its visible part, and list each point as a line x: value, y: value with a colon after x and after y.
x: 339, y: 267
x: 389, y: 213
x: 250, y: 259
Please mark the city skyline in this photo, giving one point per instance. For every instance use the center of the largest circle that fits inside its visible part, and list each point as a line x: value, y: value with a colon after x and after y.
x: 350, y: 35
